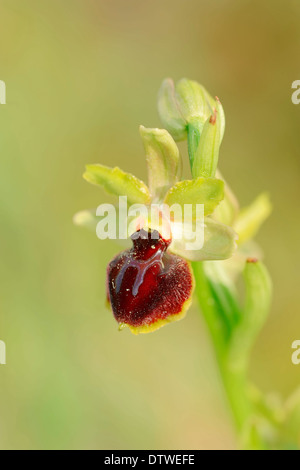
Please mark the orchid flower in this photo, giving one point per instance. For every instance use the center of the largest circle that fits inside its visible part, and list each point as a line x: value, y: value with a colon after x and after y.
x: 161, y: 269
x: 152, y: 283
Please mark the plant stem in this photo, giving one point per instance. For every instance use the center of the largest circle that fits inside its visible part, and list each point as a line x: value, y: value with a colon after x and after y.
x: 234, y: 378
x: 222, y: 317
x: 236, y: 386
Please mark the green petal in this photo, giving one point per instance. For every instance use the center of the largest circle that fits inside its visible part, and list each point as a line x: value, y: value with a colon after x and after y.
x: 89, y: 220
x: 119, y: 183
x: 252, y: 217
x: 163, y: 160
x: 207, y: 191
x: 219, y: 243
x: 169, y: 112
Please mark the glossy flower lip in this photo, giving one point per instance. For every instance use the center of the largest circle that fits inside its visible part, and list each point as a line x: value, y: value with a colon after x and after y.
x: 147, y: 286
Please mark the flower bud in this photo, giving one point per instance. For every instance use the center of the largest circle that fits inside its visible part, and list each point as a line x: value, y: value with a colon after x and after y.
x: 194, y: 102
x: 206, y: 155
x: 186, y: 104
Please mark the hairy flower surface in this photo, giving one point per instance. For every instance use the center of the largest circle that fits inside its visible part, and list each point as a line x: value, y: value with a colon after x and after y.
x: 147, y: 286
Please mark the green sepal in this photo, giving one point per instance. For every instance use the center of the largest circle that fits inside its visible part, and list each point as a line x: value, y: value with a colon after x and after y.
x: 117, y: 182
x: 252, y: 217
x: 163, y: 161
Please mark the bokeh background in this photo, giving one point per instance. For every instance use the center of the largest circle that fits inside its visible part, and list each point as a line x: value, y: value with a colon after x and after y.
x: 81, y: 76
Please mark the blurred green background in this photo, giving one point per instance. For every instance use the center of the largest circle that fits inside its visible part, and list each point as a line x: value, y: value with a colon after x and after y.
x: 81, y: 75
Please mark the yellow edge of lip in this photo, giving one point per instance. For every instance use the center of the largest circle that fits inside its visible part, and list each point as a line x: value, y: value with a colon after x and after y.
x: 136, y: 330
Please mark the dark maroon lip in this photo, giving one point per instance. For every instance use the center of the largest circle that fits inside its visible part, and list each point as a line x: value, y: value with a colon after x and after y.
x: 146, y: 283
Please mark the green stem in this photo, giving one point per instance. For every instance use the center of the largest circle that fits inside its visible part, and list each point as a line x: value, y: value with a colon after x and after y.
x: 234, y: 378
x: 236, y: 387
x: 229, y: 327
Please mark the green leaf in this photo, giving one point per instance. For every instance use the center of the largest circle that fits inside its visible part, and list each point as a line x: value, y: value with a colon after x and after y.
x: 207, y: 191
x: 119, y: 183
x: 258, y: 294
x: 255, y: 312
x: 252, y: 217
x: 224, y: 292
x: 206, y: 157
x: 219, y: 243
x: 169, y: 111
x: 163, y: 160
x: 215, y: 322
